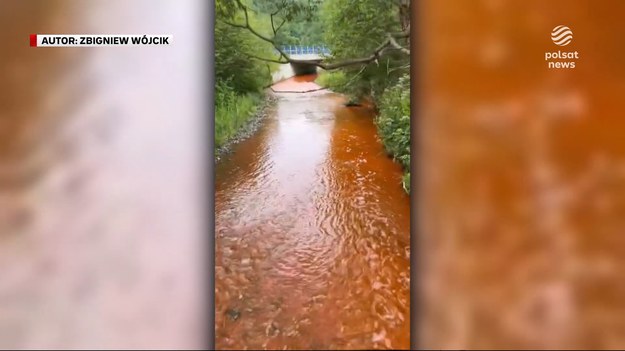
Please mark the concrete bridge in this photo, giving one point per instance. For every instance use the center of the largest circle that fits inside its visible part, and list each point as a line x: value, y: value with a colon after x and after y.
x: 305, y: 52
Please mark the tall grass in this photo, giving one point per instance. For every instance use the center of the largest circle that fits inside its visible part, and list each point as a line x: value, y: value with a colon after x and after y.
x: 232, y: 112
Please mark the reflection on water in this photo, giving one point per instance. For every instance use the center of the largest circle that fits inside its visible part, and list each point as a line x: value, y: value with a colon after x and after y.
x: 523, y: 176
x: 312, y: 233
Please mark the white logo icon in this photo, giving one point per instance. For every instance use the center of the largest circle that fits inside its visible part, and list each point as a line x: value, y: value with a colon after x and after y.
x: 561, y: 35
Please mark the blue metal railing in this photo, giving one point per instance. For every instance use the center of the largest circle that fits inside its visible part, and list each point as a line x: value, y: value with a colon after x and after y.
x: 305, y: 49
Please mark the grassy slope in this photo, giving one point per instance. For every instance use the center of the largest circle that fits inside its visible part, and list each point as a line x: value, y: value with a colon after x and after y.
x: 232, y: 113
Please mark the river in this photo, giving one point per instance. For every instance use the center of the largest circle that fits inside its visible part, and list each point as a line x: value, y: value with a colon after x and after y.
x: 312, y: 232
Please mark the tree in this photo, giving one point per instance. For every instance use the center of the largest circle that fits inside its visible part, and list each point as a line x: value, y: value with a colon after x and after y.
x: 356, y: 29
x: 231, y: 66
x: 369, y: 41
x: 286, y: 10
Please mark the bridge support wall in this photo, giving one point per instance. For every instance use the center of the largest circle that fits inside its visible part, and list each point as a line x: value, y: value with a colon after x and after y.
x: 300, y: 69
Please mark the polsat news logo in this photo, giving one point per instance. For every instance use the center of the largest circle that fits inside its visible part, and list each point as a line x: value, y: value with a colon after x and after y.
x: 561, y: 35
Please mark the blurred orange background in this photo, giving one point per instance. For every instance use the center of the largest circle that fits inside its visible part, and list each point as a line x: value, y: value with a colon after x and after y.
x: 522, y: 175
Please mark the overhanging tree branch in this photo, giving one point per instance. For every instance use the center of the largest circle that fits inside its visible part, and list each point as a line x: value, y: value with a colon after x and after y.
x: 377, y: 53
x: 275, y: 30
x: 389, y: 43
x: 252, y: 30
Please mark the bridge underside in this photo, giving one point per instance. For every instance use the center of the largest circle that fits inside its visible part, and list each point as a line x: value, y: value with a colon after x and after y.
x: 300, y: 69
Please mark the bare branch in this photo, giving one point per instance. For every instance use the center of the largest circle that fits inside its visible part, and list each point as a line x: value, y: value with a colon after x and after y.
x: 397, y: 46
x: 399, y: 68
x: 272, y: 26
x: 275, y: 30
x: 377, y: 53
x: 234, y: 24
x: 279, y: 60
x: 280, y: 26
x: 275, y: 13
x: 401, y: 35
x: 252, y: 30
x: 279, y: 8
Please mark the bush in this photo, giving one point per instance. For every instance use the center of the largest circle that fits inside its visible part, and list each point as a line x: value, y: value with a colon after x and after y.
x: 394, y: 124
x: 338, y: 82
x: 354, y: 29
x: 333, y: 80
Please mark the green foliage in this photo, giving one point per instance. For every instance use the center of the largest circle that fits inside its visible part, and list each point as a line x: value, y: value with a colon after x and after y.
x: 394, y: 123
x: 301, y: 33
x: 333, y: 80
x: 232, y: 62
x: 239, y: 78
x: 305, y: 31
x: 351, y: 29
x: 232, y: 111
x: 354, y: 29
x: 298, y: 20
x: 225, y: 8
x: 289, y: 10
x: 339, y: 82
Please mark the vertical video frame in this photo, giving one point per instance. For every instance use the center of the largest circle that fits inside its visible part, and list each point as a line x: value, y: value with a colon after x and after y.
x: 312, y: 174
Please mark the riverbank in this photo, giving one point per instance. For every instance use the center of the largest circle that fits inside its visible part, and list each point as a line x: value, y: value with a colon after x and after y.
x: 238, y: 119
x: 392, y: 120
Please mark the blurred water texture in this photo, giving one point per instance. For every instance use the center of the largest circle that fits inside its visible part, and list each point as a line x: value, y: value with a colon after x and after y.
x: 522, y: 194
x: 100, y: 173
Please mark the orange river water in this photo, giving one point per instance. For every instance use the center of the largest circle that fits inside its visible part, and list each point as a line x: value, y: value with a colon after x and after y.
x: 312, y: 232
